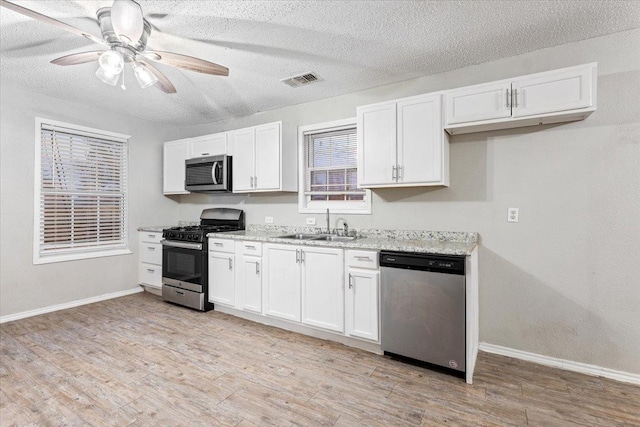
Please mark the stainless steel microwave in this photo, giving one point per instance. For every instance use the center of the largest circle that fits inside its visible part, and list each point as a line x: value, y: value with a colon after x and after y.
x: 208, y: 174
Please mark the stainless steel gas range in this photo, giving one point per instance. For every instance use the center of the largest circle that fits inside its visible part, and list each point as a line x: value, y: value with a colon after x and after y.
x: 185, y: 271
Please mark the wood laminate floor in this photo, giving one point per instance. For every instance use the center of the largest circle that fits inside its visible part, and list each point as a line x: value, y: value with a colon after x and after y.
x: 136, y: 361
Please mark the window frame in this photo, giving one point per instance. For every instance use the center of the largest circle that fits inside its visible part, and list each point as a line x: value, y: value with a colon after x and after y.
x: 304, y: 206
x: 90, y: 252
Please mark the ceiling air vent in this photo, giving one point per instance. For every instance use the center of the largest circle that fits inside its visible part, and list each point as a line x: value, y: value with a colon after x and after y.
x: 301, y: 79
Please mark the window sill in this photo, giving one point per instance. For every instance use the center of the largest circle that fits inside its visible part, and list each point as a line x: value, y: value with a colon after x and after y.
x: 78, y: 256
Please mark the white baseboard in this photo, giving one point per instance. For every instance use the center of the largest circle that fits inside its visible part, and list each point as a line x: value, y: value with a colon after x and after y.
x: 30, y: 313
x: 567, y: 365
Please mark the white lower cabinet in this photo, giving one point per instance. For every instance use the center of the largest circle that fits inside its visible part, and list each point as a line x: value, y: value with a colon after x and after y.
x: 322, y: 288
x: 150, y: 257
x: 304, y: 284
x: 281, y: 296
x: 362, y: 295
x: 249, y: 276
x: 221, y: 277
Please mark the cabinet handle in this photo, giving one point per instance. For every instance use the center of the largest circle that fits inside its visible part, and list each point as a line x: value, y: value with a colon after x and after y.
x: 217, y: 244
x: 151, y: 248
x: 393, y: 172
x: 230, y: 264
x: 508, y: 99
x: 257, y: 268
x: 297, y: 256
x: 350, y: 281
x: 151, y: 270
x: 362, y: 258
x: 301, y: 256
x: 515, y: 104
x: 204, y: 154
x: 249, y: 247
x: 399, y: 172
x: 251, y: 180
x: 151, y: 236
x: 255, y: 182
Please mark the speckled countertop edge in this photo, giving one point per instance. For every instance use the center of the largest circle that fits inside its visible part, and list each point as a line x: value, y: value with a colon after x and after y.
x: 154, y: 228
x: 443, y: 243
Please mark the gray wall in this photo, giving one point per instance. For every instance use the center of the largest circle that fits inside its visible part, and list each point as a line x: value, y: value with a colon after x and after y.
x: 24, y: 286
x: 562, y: 282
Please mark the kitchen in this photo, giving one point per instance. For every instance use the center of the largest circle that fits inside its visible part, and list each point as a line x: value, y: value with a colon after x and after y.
x: 556, y: 285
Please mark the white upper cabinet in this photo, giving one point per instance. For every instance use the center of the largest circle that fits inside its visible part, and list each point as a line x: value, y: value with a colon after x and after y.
x: 174, y: 155
x: 209, y: 145
x: 555, y: 96
x: 401, y: 143
x: 258, y: 160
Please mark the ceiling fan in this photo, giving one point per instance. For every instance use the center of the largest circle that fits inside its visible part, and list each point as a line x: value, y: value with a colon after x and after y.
x: 125, y: 33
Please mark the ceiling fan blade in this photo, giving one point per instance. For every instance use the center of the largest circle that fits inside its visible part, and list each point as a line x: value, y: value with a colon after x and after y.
x: 43, y: 18
x: 78, y: 58
x: 163, y: 82
x: 186, y: 62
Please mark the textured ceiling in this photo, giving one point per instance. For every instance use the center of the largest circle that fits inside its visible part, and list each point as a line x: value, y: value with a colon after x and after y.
x: 351, y: 45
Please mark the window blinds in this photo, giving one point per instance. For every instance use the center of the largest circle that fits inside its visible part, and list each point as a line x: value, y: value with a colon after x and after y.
x: 83, y: 178
x: 331, y: 172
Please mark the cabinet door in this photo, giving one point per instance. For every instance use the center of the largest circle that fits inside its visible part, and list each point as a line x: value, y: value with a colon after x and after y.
x: 250, y: 289
x: 243, y: 159
x: 362, y: 304
x: 476, y: 103
x: 174, y: 155
x: 322, y: 288
x: 282, y: 281
x: 420, y: 140
x: 221, y: 278
x: 209, y: 145
x: 267, y: 161
x: 376, y: 145
x: 556, y: 91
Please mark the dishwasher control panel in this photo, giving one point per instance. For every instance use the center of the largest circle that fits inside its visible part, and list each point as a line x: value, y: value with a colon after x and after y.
x: 450, y: 264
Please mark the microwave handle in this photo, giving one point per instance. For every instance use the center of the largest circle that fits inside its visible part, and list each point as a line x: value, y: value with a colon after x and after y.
x: 213, y: 172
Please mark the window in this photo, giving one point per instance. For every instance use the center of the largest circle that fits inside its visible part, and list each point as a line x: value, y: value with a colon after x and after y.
x: 80, y: 193
x: 329, y: 169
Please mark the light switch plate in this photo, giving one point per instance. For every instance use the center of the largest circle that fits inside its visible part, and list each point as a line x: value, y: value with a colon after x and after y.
x: 268, y: 220
x: 311, y: 221
x: 513, y: 214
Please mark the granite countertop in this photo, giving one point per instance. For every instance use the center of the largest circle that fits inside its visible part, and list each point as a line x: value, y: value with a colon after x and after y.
x: 154, y: 228
x: 433, y: 242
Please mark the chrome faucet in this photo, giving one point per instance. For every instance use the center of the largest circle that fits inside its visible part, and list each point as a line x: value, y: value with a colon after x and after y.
x: 345, y: 228
x: 328, y: 223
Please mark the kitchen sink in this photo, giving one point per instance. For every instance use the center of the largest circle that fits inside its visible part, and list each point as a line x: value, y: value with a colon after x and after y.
x: 301, y: 236
x: 335, y: 238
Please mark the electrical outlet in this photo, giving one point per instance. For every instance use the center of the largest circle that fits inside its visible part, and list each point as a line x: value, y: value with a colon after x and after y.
x: 513, y: 214
x: 311, y: 221
x: 268, y: 220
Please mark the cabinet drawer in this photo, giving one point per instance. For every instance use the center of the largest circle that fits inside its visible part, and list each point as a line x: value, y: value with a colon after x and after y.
x: 251, y: 248
x: 362, y: 259
x: 151, y: 253
x: 221, y: 245
x: 150, y: 236
x: 150, y: 274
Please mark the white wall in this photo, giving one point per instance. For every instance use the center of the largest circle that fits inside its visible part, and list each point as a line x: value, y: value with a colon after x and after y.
x: 24, y: 286
x: 564, y: 281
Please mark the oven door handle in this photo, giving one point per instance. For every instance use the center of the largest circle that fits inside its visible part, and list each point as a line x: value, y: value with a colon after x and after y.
x: 184, y: 245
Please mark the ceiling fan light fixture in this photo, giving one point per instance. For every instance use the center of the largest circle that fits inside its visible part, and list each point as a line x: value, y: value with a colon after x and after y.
x: 144, y: 77
x: 126, y: 18
x: 111, y: 62
x: 110, y: 79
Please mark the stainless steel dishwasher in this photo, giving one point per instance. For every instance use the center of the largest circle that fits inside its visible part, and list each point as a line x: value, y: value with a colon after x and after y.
x: 423, y: 308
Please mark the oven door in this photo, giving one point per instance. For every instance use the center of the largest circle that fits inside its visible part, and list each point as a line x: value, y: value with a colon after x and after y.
x: 183, y: 265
